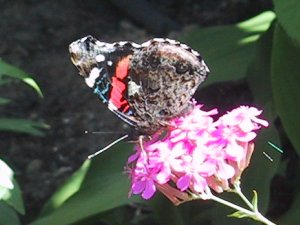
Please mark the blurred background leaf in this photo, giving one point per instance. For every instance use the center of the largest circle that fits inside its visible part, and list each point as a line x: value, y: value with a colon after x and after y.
x: 12, y: 201
x: 7, y: 70
x: 8, y: 215
x: 288, y: 16
x: 285, y: 82
x: 98, y: 186
x: 22, y: 126
x: 229, y: 49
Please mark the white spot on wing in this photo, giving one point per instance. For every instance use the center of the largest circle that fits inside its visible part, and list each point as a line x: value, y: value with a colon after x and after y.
x: 146, y: 44
x: 121, y: 43
x: 74, y: 47
x: 83, y: 39
x: 94, y: 74
x: 135, y: 45
x: 171, y: 41
x: 184, y: 46
x: 133, y: 88
x: 159, y: 39
x: 111, y: 106
x: 195, y: 53
x: 109, y: 63
x: 100, y: 43
x: 106, y: 47
x: 100, y: 58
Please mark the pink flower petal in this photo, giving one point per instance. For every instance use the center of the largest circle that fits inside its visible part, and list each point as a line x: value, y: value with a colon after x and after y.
x: 138, y: 187
x: 183, y: 182
x: 225, y: 171
x: 149, y: 190
x: 196, y: 153
x: 199, y: 183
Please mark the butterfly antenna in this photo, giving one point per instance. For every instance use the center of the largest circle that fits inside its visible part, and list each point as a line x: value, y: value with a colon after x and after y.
x: 275, y: 147
x: 108, y: 146
x: 268, y: 156
x: 102, y: 132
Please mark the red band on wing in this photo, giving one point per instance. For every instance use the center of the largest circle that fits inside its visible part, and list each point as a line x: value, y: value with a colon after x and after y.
x: 119, y: 85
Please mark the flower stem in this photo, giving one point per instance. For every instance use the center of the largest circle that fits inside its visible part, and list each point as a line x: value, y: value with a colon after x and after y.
x: 238, y: 191
x: 231, y: 205
x: 252, y: 214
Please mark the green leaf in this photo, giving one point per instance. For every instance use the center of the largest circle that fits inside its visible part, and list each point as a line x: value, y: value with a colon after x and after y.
x: 104, y: 187
x: 253, y: 177
x: 228, y: 49
x: 120, y: 216
x: 8, y: 215
x: 259, y: 79
x: 12, y: 71
x: 285, y: 83
x: 259, y: 70
x: 22, y: 126
x: 15, y: 198
x: 291, y: 216
x: 68, y: 189
x: 166, y: 212
x: 254, y: 201
x: 258, y: 76
x: 220, y: 212
x: 288, y: 14
x: 238, y: 214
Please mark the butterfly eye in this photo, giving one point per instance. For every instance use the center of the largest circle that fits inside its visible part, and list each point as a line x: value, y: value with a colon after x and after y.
x: 181, y: 68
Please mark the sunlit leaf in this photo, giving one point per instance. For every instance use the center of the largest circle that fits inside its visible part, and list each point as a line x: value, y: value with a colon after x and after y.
x: 68, y: 189
x: 228, y: 49
x: 259, y: 70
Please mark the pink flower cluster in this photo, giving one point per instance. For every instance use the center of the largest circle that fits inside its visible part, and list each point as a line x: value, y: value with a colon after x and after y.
x: 197, y: 153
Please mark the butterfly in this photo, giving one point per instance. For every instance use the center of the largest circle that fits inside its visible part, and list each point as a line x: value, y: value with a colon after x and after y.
x: 145, y: 85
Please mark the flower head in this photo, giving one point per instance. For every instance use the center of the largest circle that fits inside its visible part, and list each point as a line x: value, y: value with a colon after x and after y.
x: 196, y: 154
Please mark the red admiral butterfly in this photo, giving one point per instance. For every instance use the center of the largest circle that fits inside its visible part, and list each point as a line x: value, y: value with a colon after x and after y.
x: 145, y: 85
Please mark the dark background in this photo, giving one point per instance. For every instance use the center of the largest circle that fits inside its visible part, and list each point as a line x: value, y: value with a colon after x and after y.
x: 35, y: 36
